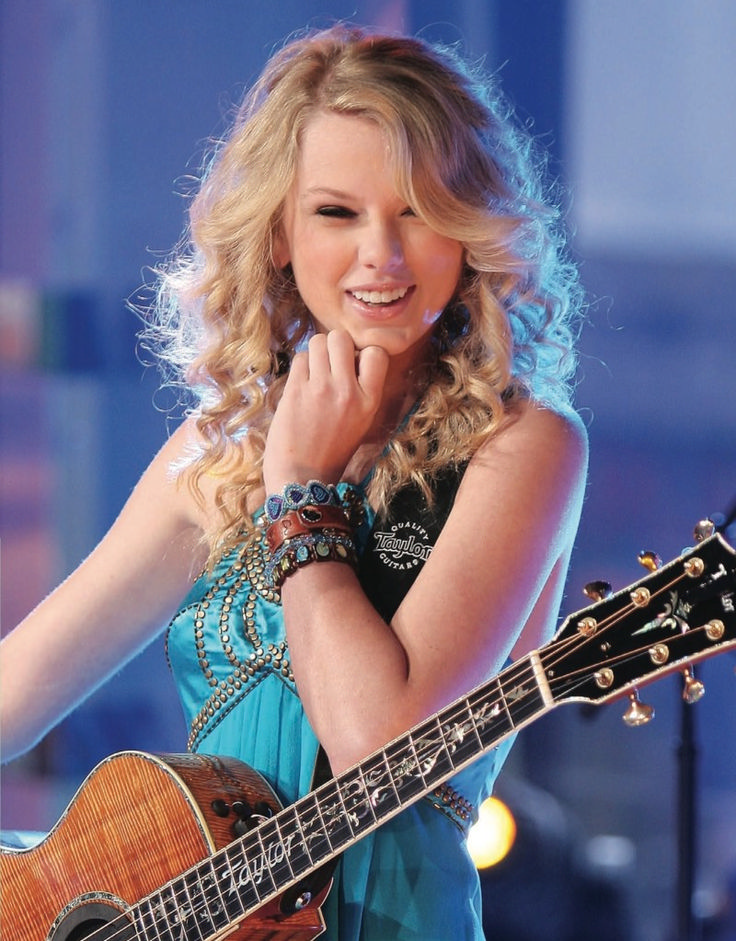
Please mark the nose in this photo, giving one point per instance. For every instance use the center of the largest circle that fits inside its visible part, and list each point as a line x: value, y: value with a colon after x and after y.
x: 381, y: 245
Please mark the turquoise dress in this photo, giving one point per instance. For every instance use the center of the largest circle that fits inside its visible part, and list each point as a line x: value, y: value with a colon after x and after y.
x: 410, y: 880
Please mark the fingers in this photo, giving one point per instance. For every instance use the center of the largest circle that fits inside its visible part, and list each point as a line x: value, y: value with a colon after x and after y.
x: 334, y: 355
x: 372, y: 369
x: 330, y: 399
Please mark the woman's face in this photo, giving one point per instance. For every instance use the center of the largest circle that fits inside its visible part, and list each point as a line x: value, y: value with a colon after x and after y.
x: 361, y: 259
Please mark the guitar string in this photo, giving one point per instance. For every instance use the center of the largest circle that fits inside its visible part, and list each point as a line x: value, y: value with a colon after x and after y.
x: 607, y: 624
x: 187, y: 910
x: 155, y: 901
x: 181, y: 897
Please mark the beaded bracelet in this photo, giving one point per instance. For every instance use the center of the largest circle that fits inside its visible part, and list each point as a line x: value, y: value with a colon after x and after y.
x: 305, y: 520
x: 296, y: 496
x: 317, y: 546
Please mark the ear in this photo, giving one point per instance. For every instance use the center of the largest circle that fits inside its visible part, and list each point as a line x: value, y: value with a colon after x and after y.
x: 280, y: 251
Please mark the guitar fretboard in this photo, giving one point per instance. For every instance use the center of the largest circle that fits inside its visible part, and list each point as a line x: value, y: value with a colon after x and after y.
x: 235, y: 881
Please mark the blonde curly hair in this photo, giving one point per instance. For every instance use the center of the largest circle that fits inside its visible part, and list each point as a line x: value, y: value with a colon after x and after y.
x: 227, y: 321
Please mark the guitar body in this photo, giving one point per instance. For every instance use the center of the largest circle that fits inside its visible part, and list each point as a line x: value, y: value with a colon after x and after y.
x: 138, y: 821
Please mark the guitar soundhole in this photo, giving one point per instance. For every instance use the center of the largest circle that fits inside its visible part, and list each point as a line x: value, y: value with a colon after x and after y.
x: 99, y: 919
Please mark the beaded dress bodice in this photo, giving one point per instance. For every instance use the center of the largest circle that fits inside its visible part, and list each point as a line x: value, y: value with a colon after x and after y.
x: 229, y: 656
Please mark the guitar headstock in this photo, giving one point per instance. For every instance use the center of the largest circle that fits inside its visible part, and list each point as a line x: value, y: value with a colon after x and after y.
x: 679, y: 614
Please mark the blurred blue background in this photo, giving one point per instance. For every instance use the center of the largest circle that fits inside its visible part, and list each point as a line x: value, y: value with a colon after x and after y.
x: 106, y: 107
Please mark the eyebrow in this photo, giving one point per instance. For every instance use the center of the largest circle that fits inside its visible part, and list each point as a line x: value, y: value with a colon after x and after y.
x: 326, y: 191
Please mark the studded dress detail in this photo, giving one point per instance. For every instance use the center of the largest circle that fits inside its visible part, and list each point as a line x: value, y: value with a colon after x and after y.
x: 412, y: 879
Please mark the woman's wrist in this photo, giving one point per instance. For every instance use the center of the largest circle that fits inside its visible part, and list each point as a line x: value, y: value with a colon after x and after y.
x: 306, y: 523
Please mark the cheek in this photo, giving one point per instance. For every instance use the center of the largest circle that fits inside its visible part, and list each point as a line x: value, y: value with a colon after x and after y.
x: 443, y: 256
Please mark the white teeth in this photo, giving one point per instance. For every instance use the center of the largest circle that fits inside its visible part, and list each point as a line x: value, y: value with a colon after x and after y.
x: 380, y: 297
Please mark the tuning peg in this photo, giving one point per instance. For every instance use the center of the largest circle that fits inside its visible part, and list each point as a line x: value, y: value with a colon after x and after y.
x: 598, y: 591
x: 693, y: 689
x: 650, y: 560
x: 638, y: 713
x: 704, y: 530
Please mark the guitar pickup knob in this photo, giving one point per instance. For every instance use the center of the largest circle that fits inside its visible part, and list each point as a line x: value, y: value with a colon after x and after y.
x: 638, y: 713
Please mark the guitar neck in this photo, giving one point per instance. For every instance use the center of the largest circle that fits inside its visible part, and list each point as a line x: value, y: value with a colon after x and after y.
x: 248, y: 873
x: 677, y: 615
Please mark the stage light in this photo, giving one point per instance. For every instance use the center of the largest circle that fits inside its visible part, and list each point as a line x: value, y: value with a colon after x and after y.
x: 492, y: 835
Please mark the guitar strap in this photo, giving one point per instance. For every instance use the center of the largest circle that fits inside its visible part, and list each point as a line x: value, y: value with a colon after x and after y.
x: 399, y: 543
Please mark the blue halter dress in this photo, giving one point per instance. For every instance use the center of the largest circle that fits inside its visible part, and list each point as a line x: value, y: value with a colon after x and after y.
x: 410, y: 880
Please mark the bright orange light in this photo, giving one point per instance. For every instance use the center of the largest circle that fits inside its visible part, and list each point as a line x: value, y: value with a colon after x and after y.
x: 492, y: 835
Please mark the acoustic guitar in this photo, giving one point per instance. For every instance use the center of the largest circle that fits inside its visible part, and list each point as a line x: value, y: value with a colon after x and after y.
x: 196, y: 848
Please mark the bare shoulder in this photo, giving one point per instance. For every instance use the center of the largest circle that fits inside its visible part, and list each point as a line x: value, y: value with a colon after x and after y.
x: 536, y: 426
x: 536, y: 444
x: 169, y: 478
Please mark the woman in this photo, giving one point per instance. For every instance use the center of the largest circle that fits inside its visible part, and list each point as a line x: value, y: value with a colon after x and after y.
x: 374, y: 314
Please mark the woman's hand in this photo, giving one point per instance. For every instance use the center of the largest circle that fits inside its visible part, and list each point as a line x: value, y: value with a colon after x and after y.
x: 330, y: 401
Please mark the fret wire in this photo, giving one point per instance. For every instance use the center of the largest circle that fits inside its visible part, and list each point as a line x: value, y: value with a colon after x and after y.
x: 136, y: 915
x: 265, y: 868
x: 530, y: 698
x: 504, y: 702
x: 216, y: 883
x: 408, y: 777
x: 223, y: 859
x: 443, y: 740
x: 366, y: 792
x: 417, y: 759
x: 388, y: 776
x: 381, y: 791
x: 389, y: 772
x: 302, y: 840
x: 322, y: 821
x: 345, y: 814
x: 192, y: 914
x: 146, y: 910
x: 200, y: 909
x: 286, y: 845
x: 355, y: 791
x: 237, y: 856
x: 460, y: 729
x: 282, y: 872
x: 313, y: 838
x: 179, y: 910
x: 176, y: 908
x: 516, y: 675
x: 200, y: 887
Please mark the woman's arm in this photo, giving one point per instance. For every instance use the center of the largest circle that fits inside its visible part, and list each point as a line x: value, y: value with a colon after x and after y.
x: 106, y: 611
x: 491, y: 586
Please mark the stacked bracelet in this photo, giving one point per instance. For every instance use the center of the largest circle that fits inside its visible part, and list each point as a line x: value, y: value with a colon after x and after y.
x: 308, y: 519
x: 296, y: 496
x: 299, y: 551
x: 306, y: 523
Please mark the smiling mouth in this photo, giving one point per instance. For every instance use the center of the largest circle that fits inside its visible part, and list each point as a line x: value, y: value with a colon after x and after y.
x: 378, y: 298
